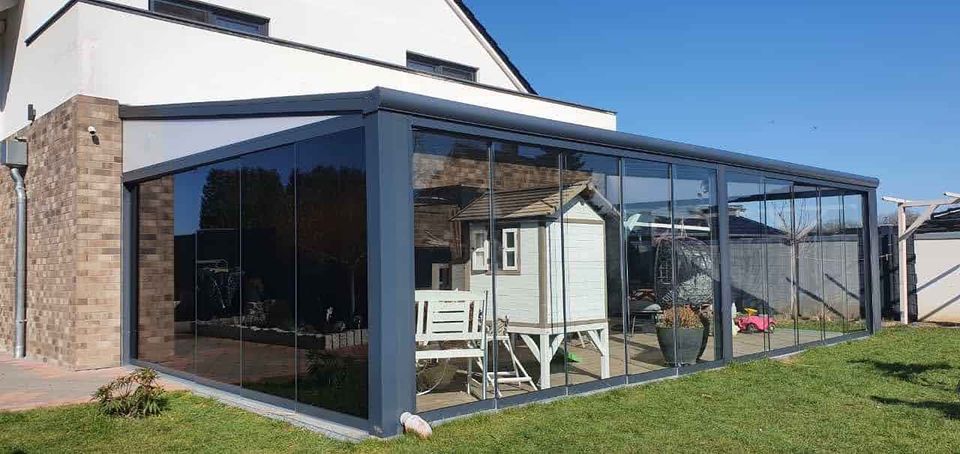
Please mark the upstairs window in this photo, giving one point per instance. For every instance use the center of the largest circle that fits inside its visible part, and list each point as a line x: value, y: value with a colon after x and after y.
x: 211, y: 15
x: 444, y: 68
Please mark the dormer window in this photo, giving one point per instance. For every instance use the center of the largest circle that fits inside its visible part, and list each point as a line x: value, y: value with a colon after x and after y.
x: 432, y: 65
x: 212, y: 15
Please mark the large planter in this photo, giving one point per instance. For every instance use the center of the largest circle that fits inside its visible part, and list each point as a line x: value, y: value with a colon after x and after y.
x: 687, y: 341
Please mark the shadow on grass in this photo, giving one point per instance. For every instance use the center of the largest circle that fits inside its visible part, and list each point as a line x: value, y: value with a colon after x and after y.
x: 949, y: 410
x: 908, y: 372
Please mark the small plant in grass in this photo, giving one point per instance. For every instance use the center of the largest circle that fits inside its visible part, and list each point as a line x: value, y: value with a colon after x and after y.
x: 135, y: 395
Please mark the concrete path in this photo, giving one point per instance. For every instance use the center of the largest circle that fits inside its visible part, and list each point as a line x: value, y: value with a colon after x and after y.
x: 27, y: 384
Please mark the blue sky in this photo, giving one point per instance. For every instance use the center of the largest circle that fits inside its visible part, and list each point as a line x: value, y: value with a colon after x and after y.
x: 870, y: 87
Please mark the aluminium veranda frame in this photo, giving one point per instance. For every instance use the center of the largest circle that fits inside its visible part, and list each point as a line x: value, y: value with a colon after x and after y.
x: 389, y: 118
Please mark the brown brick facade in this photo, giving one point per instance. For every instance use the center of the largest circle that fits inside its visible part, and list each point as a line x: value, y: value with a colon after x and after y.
x: 73, y: 237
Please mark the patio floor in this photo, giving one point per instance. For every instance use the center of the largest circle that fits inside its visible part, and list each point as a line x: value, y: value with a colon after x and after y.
x: 642, y: 351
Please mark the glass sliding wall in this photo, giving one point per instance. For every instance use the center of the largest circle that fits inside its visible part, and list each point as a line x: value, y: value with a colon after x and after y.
x: 166, y: 331
x: 834, y: 274
x: 809, y: 278
x: 216, y: 219
x: 854, y: 262
x: 647, y: 218
x: 748, y: 263
x: 528, y: 255
x: 780, y: 263
x: 592, y: 232
x: 268, y: 256
x: 696, y: 263
x: 331, y: 232
x: 453, y: 269
x: 252, y: 273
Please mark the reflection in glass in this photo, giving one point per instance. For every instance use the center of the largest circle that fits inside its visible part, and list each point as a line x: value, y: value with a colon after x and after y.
x: 452, y: 260
x: 593, y: 280
x: 166, y: 303
x: 809, y: 279
x: 218, y: 272
x: 832, y: 252
x: 853, y: 253
x: 252, y: 272
x: 269, y: 272
x: 528, y: 205
x: 780, y: 262
x: 748, y: 268
x: 696, y: 267
x: 647, y: 222
x: 331, y: 234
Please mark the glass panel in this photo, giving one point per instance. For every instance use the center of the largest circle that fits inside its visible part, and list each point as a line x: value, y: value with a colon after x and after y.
x: 269, y: 272
x: 748, y: 268
x: 452, y: 256
x: 530, y: 353
x: 853, y: 258
x: 809, y: 279
x: 649, y: 264
x: 832, y: 250
x: 332, y: 273
x: 217, y: 243
x: 167, y: 312
x: 780, y: 263
x: 696, y: 267
x: 594, y: 284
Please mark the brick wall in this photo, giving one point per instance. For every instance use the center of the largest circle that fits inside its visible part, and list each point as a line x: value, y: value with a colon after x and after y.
x: 73, y: 237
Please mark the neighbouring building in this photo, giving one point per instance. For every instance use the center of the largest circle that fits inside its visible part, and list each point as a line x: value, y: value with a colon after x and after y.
x: 276, y: 199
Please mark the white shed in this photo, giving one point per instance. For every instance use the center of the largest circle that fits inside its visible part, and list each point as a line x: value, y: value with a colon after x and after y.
x: 528, y: 245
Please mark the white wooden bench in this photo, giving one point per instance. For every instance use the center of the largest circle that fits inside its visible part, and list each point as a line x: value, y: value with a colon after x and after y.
x: 457, y: 317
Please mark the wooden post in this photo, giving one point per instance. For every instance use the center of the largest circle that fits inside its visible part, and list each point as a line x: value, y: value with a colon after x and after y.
x: 903, y: 234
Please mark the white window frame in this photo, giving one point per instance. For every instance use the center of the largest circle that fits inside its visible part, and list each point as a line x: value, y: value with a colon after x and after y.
x: 504, y: 249
x: 479, y: 250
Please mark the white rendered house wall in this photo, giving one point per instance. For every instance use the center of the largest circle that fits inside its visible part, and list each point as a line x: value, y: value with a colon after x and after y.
x: 138, y: 60
x: 379, y: 29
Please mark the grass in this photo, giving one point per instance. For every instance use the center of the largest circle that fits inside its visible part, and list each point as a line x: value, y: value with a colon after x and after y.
x: 893, y: 392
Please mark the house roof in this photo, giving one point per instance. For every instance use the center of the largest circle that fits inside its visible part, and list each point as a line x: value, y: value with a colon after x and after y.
x: 531, y: 202
x: 944, y: 221
x: 496, y: 47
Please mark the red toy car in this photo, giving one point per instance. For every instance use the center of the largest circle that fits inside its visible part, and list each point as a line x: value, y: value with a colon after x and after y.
x: 753, y: 323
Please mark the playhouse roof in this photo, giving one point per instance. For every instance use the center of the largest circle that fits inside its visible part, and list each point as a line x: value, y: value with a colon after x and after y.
x: 530, y: 203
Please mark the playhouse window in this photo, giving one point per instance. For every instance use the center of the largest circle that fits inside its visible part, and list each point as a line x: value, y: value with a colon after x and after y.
x: 481, y: 247
x: 509, y: 249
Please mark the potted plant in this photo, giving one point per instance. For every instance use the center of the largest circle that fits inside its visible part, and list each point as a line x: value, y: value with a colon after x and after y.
x: 684, y: 344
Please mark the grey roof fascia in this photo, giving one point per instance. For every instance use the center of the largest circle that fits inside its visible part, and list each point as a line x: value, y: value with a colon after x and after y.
x: 441, y: 109
x: 286, y: 106
x: 414, y: 104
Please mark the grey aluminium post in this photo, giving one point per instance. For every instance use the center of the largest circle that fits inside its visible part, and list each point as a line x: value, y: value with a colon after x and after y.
x: 726, y: 298
x: 873, y: 267
x: 388, y: 140
x: 128, y: 314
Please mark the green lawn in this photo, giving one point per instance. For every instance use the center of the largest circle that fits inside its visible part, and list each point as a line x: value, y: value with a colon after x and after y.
x: 893, y: 392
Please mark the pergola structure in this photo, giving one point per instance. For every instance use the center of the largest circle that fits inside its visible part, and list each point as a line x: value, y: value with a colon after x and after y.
x: 904, y: 233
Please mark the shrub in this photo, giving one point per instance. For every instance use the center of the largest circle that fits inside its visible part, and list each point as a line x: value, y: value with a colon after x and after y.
x: 135, y: 395
x: 683, y: 317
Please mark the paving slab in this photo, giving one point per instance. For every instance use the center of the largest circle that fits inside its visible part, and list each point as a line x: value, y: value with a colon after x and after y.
x: 27, y: 384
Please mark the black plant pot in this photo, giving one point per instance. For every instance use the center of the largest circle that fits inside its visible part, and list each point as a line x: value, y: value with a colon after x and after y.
x: 688, y: 343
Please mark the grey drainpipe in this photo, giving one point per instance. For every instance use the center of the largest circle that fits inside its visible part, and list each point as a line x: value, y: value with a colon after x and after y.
x: 20, y: 312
